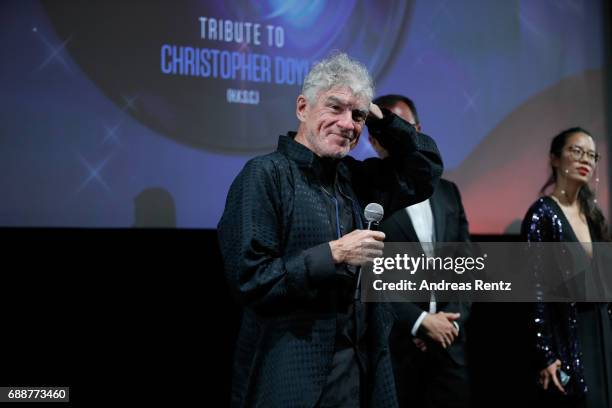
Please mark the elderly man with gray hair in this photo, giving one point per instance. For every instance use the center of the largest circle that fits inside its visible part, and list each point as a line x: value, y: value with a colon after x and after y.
x: 292, y: 237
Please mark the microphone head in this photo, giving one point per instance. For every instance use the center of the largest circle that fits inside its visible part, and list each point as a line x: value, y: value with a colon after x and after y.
x: 373, y: 212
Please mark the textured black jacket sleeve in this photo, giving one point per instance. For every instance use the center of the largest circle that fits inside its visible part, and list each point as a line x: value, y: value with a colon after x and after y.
x: 410, y: 173
x: 258, y: 267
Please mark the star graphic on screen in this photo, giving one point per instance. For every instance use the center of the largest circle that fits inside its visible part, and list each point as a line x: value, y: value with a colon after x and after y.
x: 93, y: 173
x: 54, y: 52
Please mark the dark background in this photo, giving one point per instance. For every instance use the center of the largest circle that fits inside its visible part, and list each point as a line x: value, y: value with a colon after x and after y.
x: 145, y: 315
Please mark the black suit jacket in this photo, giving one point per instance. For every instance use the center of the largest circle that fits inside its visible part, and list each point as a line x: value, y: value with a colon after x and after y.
x: 450, y: 225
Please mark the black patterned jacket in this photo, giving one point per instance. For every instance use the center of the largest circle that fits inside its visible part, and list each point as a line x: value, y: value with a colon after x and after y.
x: 274, y: 236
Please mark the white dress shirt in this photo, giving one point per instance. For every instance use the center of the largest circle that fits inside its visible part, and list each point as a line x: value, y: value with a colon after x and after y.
x: 422, y: 220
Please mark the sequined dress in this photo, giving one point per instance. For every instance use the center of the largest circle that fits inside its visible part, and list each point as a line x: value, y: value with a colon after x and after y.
x: 578, y: 334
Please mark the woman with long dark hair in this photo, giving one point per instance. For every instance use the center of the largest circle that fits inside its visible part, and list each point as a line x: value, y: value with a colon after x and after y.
x: 573, y: 340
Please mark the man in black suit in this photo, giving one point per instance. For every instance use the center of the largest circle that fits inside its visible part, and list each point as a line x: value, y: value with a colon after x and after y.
x: 429, y: 353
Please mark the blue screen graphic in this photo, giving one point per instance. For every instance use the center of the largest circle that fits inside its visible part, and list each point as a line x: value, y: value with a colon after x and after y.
x: 123, y: 114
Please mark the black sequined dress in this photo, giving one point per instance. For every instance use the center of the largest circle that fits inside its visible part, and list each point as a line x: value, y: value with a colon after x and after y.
x: 578, y: 334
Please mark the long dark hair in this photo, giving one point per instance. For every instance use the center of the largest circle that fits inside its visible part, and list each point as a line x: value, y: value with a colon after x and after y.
x: 586, y: 197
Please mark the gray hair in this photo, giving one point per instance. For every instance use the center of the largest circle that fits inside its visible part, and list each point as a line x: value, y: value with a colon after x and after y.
x: 338, y: 70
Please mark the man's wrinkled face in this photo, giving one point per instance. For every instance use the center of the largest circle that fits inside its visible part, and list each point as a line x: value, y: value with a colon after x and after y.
x: 333, y: 123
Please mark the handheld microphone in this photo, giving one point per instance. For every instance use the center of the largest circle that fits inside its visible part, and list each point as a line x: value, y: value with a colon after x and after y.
x: 373, y: 214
